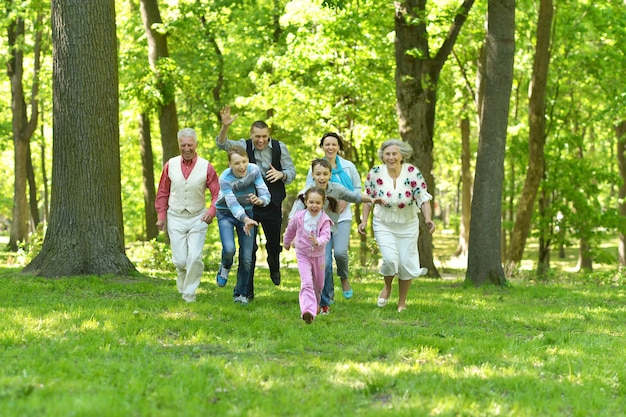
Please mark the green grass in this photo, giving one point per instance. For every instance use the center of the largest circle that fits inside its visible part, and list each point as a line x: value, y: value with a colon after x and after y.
x: 111, y: 346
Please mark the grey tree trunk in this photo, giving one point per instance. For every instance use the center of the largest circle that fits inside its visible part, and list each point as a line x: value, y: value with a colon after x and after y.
x: 85, y: 234
x: 484, y: 263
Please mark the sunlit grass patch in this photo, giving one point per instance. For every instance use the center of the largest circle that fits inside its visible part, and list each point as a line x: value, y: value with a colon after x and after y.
x: 114, y: 346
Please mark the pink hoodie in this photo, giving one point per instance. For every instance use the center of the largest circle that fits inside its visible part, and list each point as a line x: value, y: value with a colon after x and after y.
x: 296, y: 234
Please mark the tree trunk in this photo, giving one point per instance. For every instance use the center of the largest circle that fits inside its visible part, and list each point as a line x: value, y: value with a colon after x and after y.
x: 536, y: 140
x: 85, y: 234
x: 147, y: 163
x: 585, y: 259
x: 620, y: 132
x: 32, y: 191
x: 44, y: 178
x: 22, y: 127
x: 545, y: 233
x: 484, y: 263
x: 466, y: 189
x: 543, y: 261
x: 417, y: 74
x: 157, y: 50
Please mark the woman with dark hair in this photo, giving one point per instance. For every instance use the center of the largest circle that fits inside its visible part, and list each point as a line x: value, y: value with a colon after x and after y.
x: 345, y: 173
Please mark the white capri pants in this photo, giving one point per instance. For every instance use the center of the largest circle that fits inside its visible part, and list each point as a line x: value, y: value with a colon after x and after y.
x: 398, y: 247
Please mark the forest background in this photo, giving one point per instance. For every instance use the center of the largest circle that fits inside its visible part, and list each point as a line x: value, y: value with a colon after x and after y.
x: 308, y: 67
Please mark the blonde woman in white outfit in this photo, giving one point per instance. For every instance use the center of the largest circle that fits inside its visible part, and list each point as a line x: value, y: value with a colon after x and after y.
x: 395, y: 223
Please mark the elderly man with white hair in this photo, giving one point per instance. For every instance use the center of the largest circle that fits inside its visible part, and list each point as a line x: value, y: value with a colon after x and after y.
x: 181, y: 210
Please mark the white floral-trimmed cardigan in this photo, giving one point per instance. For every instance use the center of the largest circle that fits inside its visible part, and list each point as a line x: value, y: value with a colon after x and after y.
x: 402, y: 202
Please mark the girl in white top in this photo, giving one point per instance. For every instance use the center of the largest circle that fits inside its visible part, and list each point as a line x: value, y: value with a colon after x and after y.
x: 309, y: 231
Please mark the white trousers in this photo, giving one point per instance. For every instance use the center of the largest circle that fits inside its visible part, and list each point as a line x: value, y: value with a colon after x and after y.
x: 397, y: 243
x: 187, y: 233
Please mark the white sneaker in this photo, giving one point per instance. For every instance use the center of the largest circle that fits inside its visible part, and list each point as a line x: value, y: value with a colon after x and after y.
x: 241, y: 299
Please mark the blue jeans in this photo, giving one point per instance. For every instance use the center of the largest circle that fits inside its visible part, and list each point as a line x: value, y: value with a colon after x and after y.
x: 339, y: 243
x: 228, y: 225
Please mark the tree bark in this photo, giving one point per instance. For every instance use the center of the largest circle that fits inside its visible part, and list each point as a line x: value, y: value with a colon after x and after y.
x: 620, y: 132
x: 417, y: 74
x: 484, y: 263
x: 85, y: 234
x: 157, y: 50
x: 147, y: 161
x: 536, y: 140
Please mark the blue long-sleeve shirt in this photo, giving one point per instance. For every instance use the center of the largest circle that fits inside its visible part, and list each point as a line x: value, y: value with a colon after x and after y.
x: 234, y: 191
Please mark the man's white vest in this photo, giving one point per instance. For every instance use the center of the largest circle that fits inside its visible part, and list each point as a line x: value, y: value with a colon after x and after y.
x: 187, y: 194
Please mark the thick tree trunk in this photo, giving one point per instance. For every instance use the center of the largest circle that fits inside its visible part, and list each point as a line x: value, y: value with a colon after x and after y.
x: 417, y: 75
x: 536, y: 140
x: 86, y: 231
x: 620, y: 132
x: 484, y: 263
x: 147, y: 163
x: 157, y: 50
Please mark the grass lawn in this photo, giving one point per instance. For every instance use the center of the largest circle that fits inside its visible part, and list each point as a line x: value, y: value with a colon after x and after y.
x: 112, y: 346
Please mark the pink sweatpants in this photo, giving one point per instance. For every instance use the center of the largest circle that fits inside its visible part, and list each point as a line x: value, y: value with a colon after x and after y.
x: 311, y: 271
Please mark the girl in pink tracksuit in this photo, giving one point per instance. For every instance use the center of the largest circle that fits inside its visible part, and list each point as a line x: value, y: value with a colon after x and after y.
x: 309, y: 231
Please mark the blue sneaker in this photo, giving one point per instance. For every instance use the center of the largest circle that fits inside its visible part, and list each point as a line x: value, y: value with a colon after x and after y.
x: 222, y: 276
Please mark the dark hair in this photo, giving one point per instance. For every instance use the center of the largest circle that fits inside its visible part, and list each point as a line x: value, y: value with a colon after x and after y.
x: 321, y: 161
x: 259, y: 124
x: 332, y: 135
x: 238, y: 150
x: 332, y: 202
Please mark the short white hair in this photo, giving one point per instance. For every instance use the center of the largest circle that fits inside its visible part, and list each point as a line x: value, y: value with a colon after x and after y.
x: 187, y: 133
x: 405, y: 149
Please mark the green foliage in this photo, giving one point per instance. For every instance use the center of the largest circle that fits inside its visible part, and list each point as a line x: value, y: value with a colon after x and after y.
x: 333, y: 4
x: 151, y: 256
x: 28, y: 250
x: 364, y: 260
x: 125, y: 346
